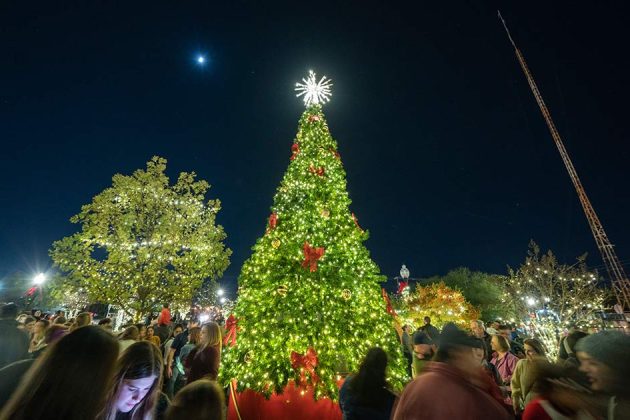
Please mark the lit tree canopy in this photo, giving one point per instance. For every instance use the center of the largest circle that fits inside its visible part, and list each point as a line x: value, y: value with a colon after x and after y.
x: 144, y: 242
x: 570, y: 293
x: 439, y: 302
x: 309, y: 304
x: 482, y: 290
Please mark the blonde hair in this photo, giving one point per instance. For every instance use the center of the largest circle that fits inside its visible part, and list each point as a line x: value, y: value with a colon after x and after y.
x: 214, y: 335
x: 199, y: 400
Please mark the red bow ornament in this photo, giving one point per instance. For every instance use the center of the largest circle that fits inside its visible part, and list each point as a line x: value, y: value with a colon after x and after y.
x: 295, y: 149
x: 311, y: 255
x: 231, y: 326
x: 306, y: 363
x: 316, y: 171
x: 273, y: 221
x: 390, y: 308
x: 31, y: 291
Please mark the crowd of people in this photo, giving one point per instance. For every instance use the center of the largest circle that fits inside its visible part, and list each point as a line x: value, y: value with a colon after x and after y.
x: 52, y: 367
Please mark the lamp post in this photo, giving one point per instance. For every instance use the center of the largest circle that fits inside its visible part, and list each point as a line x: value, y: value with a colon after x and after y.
x: 38, y: 281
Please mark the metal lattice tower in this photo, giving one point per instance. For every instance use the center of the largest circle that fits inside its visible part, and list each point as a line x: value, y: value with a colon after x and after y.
x: 618, y: 277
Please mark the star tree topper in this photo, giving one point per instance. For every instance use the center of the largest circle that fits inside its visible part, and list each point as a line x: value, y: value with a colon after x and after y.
x: 314, y: 92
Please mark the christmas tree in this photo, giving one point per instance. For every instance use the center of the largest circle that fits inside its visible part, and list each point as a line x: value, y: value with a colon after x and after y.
x: 309, y: 303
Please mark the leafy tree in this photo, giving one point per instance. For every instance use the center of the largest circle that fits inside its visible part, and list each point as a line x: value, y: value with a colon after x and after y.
x: 482, y: 290
x: 144, y: 242
x: 569, y: 293
x: 309, y: 304
x: 441, y: 303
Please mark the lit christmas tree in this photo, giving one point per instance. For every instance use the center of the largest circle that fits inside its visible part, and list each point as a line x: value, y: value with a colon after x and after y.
x: 309, y: 305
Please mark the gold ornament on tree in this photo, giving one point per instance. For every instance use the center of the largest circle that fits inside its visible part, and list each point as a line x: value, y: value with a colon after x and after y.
x: 248, y: 357
x: 275, y: 243
x: 346, y: 294
x: 325, y: 213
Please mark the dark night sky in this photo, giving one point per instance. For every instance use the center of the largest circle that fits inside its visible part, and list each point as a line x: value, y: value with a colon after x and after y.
x: 449, y: 161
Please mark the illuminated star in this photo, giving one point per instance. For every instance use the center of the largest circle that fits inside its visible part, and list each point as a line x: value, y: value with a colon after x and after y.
x: 201, y: 59
x: 314, y: 92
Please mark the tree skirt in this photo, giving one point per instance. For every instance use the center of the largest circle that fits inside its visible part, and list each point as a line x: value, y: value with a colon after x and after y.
x: 292, y: 404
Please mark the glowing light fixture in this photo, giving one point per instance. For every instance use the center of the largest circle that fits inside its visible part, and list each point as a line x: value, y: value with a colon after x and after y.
x: 314, y: 92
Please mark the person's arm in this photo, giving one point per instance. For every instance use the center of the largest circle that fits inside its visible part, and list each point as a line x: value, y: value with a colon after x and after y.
x: 515, y: 384
x: 169, y: 361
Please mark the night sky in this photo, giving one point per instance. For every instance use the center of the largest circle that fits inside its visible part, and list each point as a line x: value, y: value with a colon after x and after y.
x: 448, y: 158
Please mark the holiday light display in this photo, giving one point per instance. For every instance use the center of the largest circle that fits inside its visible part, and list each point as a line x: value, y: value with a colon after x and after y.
x: 309, y: 302
x: 563, y: 294
x: 144, y: 242
x: 437, y: 301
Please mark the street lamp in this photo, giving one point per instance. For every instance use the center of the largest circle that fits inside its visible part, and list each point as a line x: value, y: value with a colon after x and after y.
x: 220, y: 292
x: 404, y: 272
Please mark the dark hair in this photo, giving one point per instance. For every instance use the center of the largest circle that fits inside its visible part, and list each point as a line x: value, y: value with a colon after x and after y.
x: 105, y: 321
x: 139, y: 360
x: 547, y: 375
x: 536, y: 345
x: 82, y: 320
x: 80, y: 365
x: 479, y: 343
x: 367, y: 385
x: 199, y: 400
x: 427, y: 318
x: 504, y: 344
x: 29, y: 319
x: 59, y: 320
x: 194, y: 334
x: 165, y: 305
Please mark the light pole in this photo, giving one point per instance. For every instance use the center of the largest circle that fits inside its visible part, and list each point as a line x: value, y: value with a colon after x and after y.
x: 38, y: 281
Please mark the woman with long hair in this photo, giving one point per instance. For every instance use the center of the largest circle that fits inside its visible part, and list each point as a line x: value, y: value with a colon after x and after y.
x: 366, y: 395
x: 523, y: 378
x: 205, y: 362
x: 39, y: 332
x: 137, y: 382
x: 69, y: 381
x: 128, y: 337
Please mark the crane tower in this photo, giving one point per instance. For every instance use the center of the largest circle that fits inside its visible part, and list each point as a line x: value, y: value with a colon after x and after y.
x: 620, y: 283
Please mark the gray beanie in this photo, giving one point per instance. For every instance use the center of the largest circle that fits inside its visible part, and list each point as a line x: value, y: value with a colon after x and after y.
x: 609, y: 347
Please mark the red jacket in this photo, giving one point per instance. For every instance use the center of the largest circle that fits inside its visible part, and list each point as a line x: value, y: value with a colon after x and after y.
x: 165, y: 317
x: 444, y: 392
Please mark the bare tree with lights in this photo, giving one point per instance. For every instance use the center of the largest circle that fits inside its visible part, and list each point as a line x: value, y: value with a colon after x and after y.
x: 571, y: 294
x: 144, y: 242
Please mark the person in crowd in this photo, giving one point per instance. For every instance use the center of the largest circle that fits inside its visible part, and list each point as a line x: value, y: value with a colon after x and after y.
x: 503, y: 360
x: 568, y: 344
x: 523, y: 378
x: 200, y: 400
x: 560, y: 392
x: 165, y: 315
x: 69, y: 381
x: 562, y: 352
x: 137, y: 382
x: 516, y: 346
x: 106, y: 324
x: 490, y: 376
x: 423, y: 351
x: 37, y: 339
x: 481, y: 353
x: 60, y: 320
x: 152, y: 337
x: 82, y: 320
x: 366, y: 395
x: 407, y: 347
x: 173, y: 352
x: 162, y: 331
x: 429, y: 329
x: 177, y: 330
x: 142, y: 331
x: 15, y: 342
x: 194, y: 338
x: 54, y: 334
x: 128, y: 337
x: 452, y: 386
x: 478, y: 329
x: 205, y: 361
x: 604, y: 359
x: 27, y: 324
